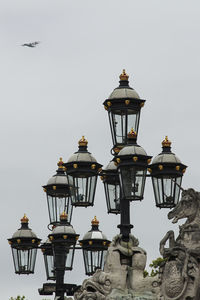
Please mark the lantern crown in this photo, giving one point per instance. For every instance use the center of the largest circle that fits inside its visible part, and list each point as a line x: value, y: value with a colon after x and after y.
x: 166, y: 142
x: 124, y: 76
x: 83, y: 142
x: 132, y: 135
x: 60, y: 164
x: 24, y: 220
x: 63, y: 216
x: 95, y: 221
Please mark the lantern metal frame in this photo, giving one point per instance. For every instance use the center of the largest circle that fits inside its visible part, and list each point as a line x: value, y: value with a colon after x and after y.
x: 47, y: 251
x: 134, y: 163
x: 110, y: 178
x: 59, y: 195
x: 82, y: 170
x: 166, y: 177
x: 94, y: 245
x: 24, y: 245
x: 120, y: 110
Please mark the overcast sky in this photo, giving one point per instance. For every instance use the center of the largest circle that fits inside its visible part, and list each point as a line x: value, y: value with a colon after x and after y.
x: 51, y: 95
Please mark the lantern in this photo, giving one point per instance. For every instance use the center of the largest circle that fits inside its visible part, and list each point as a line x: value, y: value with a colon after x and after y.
x: 82, y: 170
x: 63, y: 239
x: 94, y: 245
x: 110, y: 178
x: 58, y: 191
x: 123, y: 106
x: 166, y: 172
x: 132, y: 162
x: 24, y: 244
x: 47, y: 251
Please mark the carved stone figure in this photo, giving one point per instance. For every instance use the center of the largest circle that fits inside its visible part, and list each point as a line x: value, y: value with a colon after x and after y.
x: 180, y: 274
x: 122, y: 276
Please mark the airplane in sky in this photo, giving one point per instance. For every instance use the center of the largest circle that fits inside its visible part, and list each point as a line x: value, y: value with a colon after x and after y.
x: 30, y: 45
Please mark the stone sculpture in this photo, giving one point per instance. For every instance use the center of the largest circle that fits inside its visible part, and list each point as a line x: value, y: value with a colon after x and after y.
x: 180, y: 274
x: 122, y: 277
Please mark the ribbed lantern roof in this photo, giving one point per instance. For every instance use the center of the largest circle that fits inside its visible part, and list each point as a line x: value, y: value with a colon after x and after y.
x: 95, y: 233
x: 166, y: 156
x: 82, y: 154
x: 24, y: 231
x: 124, y: 90
x: 60, y: 176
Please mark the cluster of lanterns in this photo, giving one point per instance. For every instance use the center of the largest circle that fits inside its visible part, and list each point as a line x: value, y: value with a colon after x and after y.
x: 74, y: 185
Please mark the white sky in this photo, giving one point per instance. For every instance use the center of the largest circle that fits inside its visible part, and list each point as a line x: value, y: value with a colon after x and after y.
x: 52, y: 95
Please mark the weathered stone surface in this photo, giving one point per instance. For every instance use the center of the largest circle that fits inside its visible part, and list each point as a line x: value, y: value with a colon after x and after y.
x: 122, y: 277
x: 180, y: 274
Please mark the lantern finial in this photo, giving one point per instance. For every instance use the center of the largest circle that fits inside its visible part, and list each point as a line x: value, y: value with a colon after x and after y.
x: 83, y: 142
x: 95, y: 221
x: 24, y: 219
x: 132, y: 134
x: 166, y: 142
x: 60, y: 163
x: 63, y: 216
x: 124, y: 76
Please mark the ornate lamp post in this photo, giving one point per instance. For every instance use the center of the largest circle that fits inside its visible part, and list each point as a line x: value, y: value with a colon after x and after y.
x: 74, y: 184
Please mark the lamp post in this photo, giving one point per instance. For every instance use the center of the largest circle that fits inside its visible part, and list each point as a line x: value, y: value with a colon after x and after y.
x: 74, y: 185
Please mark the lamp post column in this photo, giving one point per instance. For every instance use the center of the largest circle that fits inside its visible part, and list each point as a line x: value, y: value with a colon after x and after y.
x: 60, y: 258
x: 125, y: 226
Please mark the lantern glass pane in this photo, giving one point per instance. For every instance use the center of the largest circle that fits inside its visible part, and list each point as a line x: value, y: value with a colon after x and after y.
x: 132, y: 181
x: 49, y: 266
x: 156, y: 190
x: 121, y: 122
x: 93, y: 260
x: 133, y: 120
x: 24, y: 260
x: 84, y: 190
x: 69, y: 259
x: 166, y: 190
x: 56, y: 206
x: 177, y: 189
x: 112, y: 192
